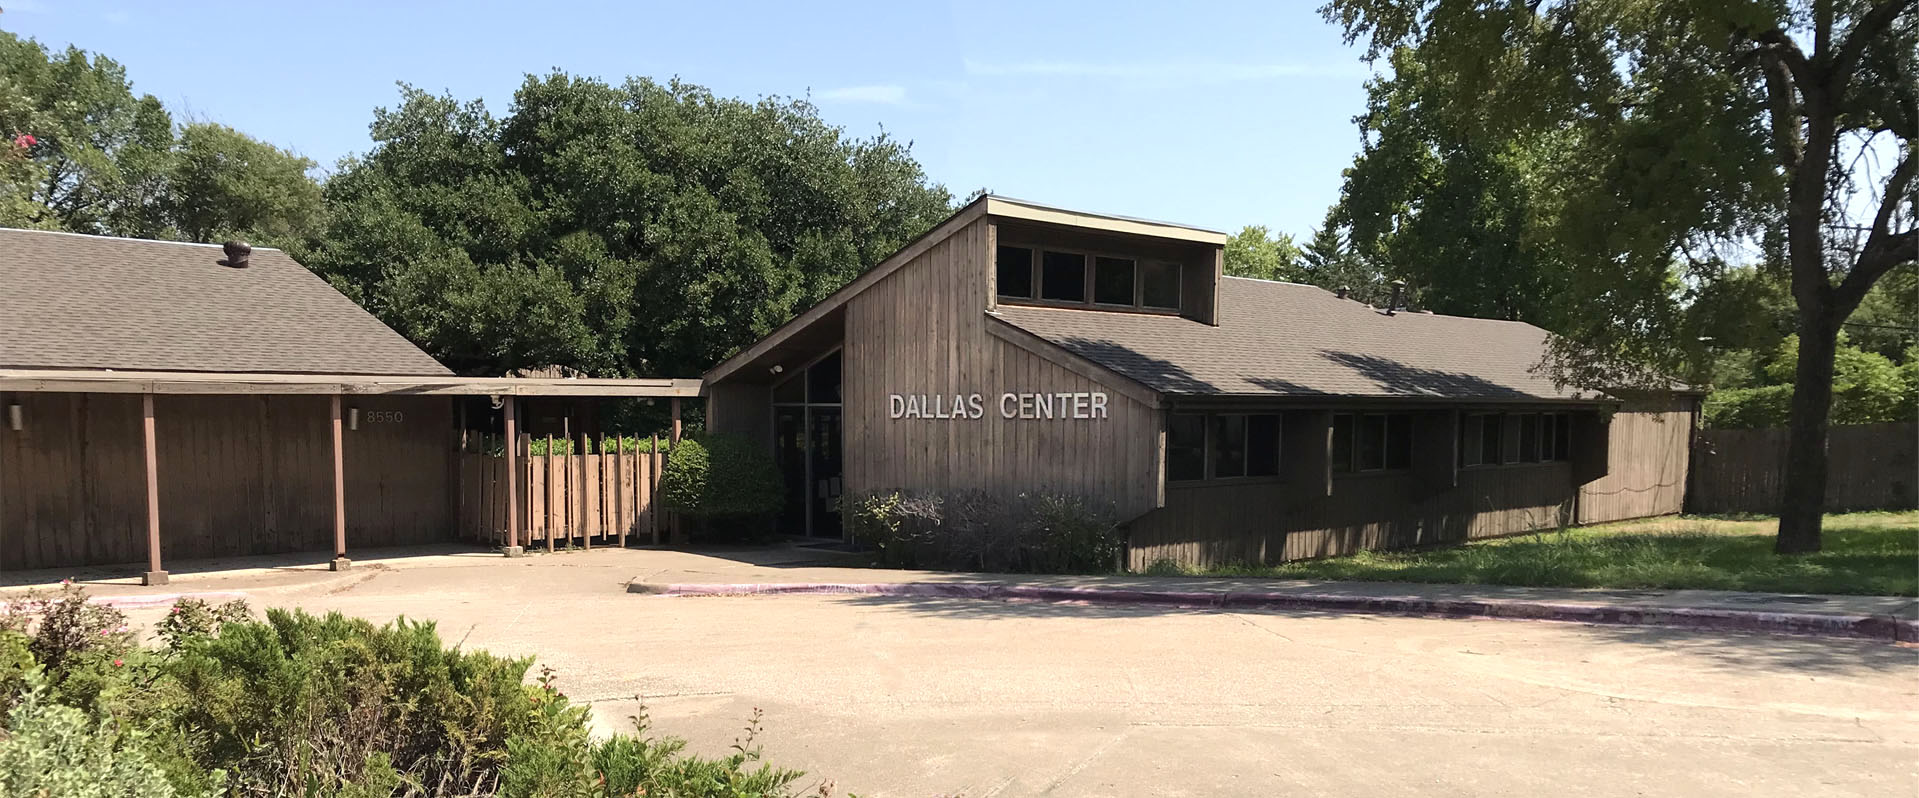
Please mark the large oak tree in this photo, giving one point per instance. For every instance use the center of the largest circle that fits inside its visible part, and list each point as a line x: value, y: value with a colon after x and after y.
x: 1697, y: 133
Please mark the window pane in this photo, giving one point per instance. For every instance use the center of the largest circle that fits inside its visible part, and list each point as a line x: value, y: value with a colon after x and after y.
x: 1342, y: 443
x: 1370, y: 452
x: 1491, y: 433
x: 1469, y: 432
x: 1159, y: 286
x: 823, y: 381
x: 1063, y: 277
x: 1185, y: 447
x: 1016, y: 272
x: 1563, y: 436
x: 1113, y: 281
x: 1511, y: 425
x: 1529, y: 438
x: 1546, y: 441
x: 792, y: 391
x: 1262, y: 446
x: 1229, y: 446
x: 1399, y: 441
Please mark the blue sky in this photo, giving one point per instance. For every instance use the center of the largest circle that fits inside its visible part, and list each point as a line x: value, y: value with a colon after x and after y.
x: 1219, y: 114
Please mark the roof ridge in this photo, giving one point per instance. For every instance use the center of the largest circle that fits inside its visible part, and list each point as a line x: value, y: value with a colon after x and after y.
x: 125, y: 238
x: 1275, y: 282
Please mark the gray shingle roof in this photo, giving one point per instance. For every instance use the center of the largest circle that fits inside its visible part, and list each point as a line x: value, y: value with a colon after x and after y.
x: 1298, y: 340
x: 77, y: 301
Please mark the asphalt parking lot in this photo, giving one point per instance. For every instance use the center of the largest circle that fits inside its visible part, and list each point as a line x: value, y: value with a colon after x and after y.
x: 921, y: 697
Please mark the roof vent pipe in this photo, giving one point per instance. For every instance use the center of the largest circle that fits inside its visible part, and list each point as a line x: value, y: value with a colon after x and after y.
x: 237, y: 254
x: 1399, y: 294
x: 1342, y: 292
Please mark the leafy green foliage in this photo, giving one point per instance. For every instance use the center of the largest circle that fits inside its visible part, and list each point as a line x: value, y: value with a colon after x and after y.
x: 51, y: 749
x: 975, y: 530
x: 1256, y: 252
x: 643, y: 228
x: 1867, y: 389
x: 1586, y: 155
x: 107, y: 161
x: 327, y: 706
x: 1450, y: 212
x: 718, y: 476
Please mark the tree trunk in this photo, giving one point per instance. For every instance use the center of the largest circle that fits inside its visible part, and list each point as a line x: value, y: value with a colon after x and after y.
x: 1803, y: 496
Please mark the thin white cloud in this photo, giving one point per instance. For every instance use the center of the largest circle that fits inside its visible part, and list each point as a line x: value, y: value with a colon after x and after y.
x: 1177, y: 72
x: 885, y: 94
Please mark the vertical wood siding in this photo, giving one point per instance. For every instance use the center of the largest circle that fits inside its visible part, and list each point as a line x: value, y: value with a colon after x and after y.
x: 1264, y: 522
x: 1648, y: 443
x: 922, y: 330
x: 238, y: 475
x: 1870, y: 467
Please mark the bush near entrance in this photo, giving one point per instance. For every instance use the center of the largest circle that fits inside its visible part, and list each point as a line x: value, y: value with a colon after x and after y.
x: 320, y: 706
x: 979, y: 531
x: 725, y: 483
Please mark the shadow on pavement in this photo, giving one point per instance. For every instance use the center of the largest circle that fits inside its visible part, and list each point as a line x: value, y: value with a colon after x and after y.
x: 1751, y: 651
x: 1733, y: 650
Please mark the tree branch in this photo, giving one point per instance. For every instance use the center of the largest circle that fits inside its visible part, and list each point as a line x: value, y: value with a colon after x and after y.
x: 1783, y: 107
x: 1787, y: 51
x: 1869, y: 27
x: 1884, y: 249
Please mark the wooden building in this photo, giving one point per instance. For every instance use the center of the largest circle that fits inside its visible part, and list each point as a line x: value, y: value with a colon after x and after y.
x: 1020, y: 347
x: 207, y: 401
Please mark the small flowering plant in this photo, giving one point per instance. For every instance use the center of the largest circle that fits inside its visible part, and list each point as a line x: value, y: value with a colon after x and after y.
x: 66, y: 626
x: 190, y: 618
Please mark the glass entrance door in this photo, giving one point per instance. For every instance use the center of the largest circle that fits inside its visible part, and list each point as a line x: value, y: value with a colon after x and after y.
x: 823, y: 430
x: 806, y: 444
x: 789, y: 451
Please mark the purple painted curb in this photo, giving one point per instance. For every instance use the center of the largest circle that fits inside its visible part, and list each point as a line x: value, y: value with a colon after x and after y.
x: 1880, y: 627
x: 135, y: 602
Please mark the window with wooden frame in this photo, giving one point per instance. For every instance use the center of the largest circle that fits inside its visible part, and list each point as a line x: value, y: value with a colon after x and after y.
x: 1185, y: 447
x: 1057, y: 276
x: 1014, y: 272
x: 1062, y: 276
x: 1508, y: 438
x: 1221, y: 446
x: 1365, y: 442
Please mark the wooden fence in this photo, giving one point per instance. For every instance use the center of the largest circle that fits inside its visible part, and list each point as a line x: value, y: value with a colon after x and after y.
x: 567, y: 500
x: 1870, y: 467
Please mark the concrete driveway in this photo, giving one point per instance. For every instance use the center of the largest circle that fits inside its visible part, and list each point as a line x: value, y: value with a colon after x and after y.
x: 922, y: 697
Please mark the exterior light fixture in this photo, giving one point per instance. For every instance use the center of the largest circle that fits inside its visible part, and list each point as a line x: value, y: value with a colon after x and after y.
x: 776, y: 369
x: 353, y: 418
x: 15, y: 418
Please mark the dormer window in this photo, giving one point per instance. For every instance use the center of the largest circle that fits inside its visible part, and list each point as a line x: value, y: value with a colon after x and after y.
x: 1062, y: 276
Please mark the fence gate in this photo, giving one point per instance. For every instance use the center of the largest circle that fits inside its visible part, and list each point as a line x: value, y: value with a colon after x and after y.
x: 578, y: 493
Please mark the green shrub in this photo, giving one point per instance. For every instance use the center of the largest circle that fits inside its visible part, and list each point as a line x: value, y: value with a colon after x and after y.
x: 316, y: 706
x: 975, y: 530
x: 606, y: 444
x: 55, y: 750
x: 721, y: 478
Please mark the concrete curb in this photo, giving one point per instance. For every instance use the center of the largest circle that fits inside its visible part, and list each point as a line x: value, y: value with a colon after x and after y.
x: 1878, y: 627
x: 135, y: 602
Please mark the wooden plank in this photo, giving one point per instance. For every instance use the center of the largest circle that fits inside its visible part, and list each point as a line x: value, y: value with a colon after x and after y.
x: 590, y: 486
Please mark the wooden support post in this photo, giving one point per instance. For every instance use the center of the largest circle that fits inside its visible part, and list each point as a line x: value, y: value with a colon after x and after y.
x: 676, y: 421
x: 553, y: 478
x: 512, y: 480
x: 340, y: 562
x: 587, y: 500
x: 653, y: 511
x: 155, y: 575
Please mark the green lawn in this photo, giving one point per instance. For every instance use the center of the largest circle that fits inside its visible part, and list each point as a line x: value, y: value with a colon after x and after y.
x: 1865, y: 553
